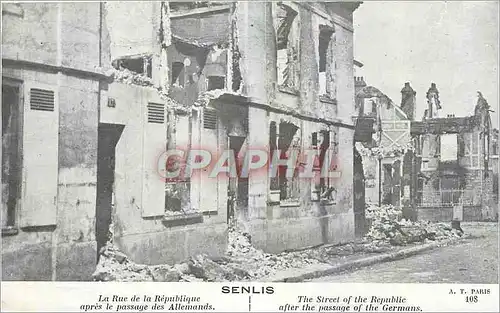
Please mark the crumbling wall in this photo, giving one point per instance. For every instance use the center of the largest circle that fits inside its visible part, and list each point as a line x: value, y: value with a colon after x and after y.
x: 256, y: 44
x: 133, y: 27
x: 134, y: 233
x: 345, y: 74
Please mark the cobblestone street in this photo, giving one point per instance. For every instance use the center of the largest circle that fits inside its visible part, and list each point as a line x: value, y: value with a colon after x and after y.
x: 473, y: 261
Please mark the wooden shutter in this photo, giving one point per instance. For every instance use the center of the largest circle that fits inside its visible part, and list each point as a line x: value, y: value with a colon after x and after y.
x: 154, y: 144
x: 209, y: 141
x: 40, y: 155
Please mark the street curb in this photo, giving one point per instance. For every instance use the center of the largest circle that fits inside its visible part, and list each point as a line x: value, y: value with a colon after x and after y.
x: 364, y: 262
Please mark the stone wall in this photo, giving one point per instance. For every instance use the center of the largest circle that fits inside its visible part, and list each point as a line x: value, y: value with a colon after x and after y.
x: 62, y: 45
x: 65, y: 250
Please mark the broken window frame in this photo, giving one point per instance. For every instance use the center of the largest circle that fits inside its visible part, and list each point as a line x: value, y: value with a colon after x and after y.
x: 145, y: 60
x: 455, y: 194
x: 287, y: 36
x: 327, y: 152
x: 494, y: 148
x: 210, y: 82
x: 10, y: 213
x: 182, y: 184
x: 177, y: 74
x: 289, y: 187
x: 472, y: 140
x: 441, y: 148
x: 326, y: 41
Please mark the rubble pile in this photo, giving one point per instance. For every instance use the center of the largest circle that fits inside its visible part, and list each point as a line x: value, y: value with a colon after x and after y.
x: 244, y: 262
x: 388, y: 226
x: 115, y: 266
x: 128, y: 77
x: 256, y: 262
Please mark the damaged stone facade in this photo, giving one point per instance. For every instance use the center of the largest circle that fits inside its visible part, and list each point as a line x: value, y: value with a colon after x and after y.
x: 147, y: 77
x: 220, y: 93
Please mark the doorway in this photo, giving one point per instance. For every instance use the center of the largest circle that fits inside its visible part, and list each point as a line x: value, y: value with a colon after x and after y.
x: 108, y: 136
x: 360, y: 227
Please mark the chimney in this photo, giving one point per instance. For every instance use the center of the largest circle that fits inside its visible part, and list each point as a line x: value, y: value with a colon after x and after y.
x: 408, y: 101
x: 359, y: 83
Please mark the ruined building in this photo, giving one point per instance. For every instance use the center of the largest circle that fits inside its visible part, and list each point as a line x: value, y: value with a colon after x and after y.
x: 427, y: 167
x: 456, y: 163
x: 99, y: 109
x: 383, y: 151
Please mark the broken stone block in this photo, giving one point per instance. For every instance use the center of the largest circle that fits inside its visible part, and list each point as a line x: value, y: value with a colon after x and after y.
x: 164, y: 273
x: 120, y: 257
x: 398, y: 240
x: 196, y: 270
x: 182, y: 268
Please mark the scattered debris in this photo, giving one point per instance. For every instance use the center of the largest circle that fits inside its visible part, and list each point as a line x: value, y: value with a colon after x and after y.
x: 244, y: 262
x: 128, y: 77
x: 387, y: 225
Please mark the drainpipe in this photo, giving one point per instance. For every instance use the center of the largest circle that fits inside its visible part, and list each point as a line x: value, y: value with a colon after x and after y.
x: 380, y: 156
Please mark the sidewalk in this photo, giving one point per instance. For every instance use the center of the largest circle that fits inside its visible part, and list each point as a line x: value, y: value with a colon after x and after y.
x: 354, y: 262
x: 337, y: 265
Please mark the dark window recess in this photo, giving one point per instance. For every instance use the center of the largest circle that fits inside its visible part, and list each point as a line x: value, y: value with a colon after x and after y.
x: 461, y: 146
x: 209, y: 119
x: 216, y: 82
x: 325, y: 145
x: 286, y: 15
x: 41, y: 100
x: 325, y: 36
x: 11, y: 155
x: 273, y: 135
x: 137, y: 65
x: 288, y: 185
x: 315, y: 139
x: 177, y: 70
x: 156, y: 113
x: 246, y: 124
x: 363, y: 130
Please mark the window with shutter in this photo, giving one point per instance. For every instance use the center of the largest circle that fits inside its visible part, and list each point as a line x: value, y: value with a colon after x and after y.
x: 209, y: 141
x: 40, y: 156
x: 154, y: 145
x: 177, y: 198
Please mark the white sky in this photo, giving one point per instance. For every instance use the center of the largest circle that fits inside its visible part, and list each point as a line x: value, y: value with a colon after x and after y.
x: 451, y: 43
